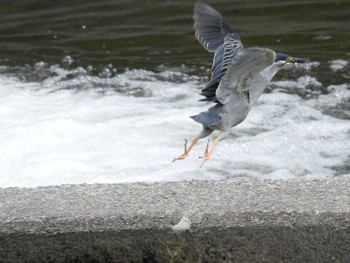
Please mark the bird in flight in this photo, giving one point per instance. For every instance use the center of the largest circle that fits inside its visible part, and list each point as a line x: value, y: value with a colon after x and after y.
x: 238, y: 76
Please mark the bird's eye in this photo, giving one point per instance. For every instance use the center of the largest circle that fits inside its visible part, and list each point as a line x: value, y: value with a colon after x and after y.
x: 289, y: 60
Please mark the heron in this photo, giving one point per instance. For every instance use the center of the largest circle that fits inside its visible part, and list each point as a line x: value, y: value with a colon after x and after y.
x: 238, y: 76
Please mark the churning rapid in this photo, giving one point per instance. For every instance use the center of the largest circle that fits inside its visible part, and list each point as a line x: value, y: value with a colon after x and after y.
x: 76, y: 128
x: 68, y: 119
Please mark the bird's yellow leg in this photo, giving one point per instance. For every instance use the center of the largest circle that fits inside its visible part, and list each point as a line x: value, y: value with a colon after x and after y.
x: 208, y: 152
x: 187, y: 149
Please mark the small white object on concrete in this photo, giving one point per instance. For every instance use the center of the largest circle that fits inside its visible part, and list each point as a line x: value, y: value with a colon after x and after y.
x: 183, y: 225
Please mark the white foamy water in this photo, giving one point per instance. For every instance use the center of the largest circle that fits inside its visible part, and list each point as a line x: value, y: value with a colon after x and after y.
x: 84, y: 129
x: 338, y: 64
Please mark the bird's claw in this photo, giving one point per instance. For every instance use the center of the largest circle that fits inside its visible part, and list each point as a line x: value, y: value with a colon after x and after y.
x: 206, y: 155
x: 206, y: 152
x: 184, y: 155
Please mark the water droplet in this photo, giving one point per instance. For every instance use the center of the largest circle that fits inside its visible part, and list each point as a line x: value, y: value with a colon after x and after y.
x: 105, y: 73
x: 67, y: 60
x: 323, y: 38
x: 81, y: 71
x: 89, y: 68
x: 39, y: 65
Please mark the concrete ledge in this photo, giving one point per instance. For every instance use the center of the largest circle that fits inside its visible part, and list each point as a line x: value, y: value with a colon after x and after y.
x: 303, y: 220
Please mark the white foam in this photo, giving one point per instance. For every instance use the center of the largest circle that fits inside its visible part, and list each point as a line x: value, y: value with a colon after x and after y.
x: 99, y: 130
x: 338, y: 64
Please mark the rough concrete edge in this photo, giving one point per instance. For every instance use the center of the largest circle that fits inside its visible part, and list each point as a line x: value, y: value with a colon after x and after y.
x: 209, y: 215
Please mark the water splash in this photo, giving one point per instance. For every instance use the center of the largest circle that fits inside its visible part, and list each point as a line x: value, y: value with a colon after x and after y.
x: 73, y: 127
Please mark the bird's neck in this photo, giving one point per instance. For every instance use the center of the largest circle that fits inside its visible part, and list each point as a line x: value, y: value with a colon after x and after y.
x: 261, y: 81
x: 271, y: 71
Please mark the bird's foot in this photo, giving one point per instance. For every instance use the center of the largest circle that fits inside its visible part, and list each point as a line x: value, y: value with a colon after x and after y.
x: 206, y: 155
x: 184, y: 155
x: 208, y: 152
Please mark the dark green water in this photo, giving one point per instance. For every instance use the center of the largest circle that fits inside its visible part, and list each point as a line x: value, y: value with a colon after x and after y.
x: 150, y: 34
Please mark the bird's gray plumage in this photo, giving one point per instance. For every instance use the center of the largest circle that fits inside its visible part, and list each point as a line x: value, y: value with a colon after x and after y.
x: 241, y: 72
x: 217, y: 35
x: 234, y: 68
x: 211, y: 27
x: 241, y: 79
x: 238, y: 75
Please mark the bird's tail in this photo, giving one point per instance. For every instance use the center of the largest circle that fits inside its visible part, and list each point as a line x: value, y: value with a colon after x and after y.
x: 207, y: 118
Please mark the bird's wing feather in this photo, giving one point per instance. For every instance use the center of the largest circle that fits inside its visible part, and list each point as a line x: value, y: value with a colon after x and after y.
x: 222, y: 58
x: 241, y: 70
x: 210, y: 26
x: 215, y: 33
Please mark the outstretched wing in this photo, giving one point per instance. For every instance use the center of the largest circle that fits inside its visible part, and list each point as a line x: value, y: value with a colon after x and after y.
x: 242, y: 70
x: 210, y: 26
x: 222, y: 58
x: 215, y: 33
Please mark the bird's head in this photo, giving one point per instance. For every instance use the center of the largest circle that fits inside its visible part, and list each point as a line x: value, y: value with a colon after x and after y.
x: 285, y: 60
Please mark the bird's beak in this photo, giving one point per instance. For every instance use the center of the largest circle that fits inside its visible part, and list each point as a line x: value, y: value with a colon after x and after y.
x: 300, y: 60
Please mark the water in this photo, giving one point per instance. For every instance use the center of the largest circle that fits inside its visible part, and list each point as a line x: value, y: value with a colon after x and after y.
x: 97, y: 92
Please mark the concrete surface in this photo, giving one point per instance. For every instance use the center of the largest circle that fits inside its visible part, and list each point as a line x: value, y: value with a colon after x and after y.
x: 302, y: 220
